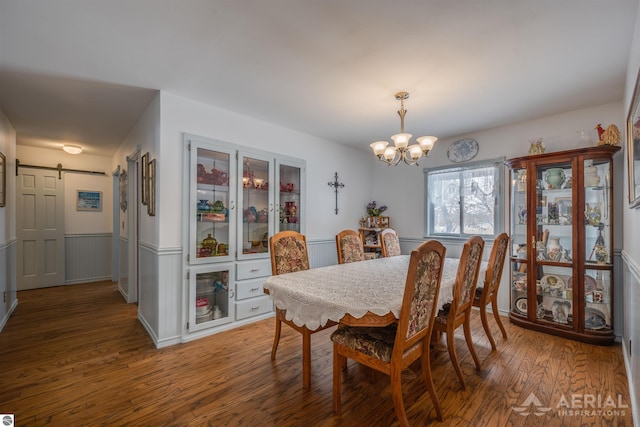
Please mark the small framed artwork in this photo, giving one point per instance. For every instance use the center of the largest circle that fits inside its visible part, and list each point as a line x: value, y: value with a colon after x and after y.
x: 565, y: 211
x: 151, y: 177
x: 89, y: 201
x: 144, y: 179
x: 384, y: 222
x: 3, y: 180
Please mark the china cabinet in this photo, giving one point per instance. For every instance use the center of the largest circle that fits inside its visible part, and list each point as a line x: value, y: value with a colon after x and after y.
x: 236, y: 198
x: 561, y: 223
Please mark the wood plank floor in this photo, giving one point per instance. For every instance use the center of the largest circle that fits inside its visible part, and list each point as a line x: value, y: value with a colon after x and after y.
x: 77, y: 355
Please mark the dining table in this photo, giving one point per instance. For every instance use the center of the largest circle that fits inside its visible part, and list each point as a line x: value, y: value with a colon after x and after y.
x: 363, y: 293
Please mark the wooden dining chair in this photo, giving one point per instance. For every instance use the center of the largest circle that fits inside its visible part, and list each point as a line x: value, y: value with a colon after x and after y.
x: 389, y: 243
x: 459, y: 312
x: 488, y: 293
x: 289, y: 254
x: 350, y: 248
x: 392, y: 349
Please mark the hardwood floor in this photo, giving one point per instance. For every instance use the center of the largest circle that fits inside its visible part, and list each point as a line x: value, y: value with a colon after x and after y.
x: 77, y: 355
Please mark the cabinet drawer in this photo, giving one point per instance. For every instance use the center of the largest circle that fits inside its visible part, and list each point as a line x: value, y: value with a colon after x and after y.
x: 249, y: 288
x: 253, y: 269
x: 253, y: 307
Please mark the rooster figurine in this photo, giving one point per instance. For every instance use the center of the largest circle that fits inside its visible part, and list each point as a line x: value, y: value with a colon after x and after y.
x: 600, y: 132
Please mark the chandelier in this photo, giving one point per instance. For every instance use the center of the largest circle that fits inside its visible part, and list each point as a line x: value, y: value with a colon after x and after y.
x: 410, y: 154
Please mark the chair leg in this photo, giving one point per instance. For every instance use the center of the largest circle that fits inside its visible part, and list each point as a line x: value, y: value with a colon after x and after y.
x: 396, y: 395
x: 306, y: 358
x: 485, y: 325
x: 494, y: 307
x: 451, y: 346
x: 276, y: 339
x: 467, y: 336
x: 428, y: 380
x: 338, y: 360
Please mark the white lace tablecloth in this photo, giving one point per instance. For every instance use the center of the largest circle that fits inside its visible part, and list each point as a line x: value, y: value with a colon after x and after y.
x: 315, y: 296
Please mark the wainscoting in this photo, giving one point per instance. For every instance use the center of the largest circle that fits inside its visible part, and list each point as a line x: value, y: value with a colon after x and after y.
x: 8, y: 293
x: 631, y: 331
x: 88, y: 258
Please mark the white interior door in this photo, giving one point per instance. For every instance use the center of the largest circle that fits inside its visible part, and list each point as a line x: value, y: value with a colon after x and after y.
x: 40, y: 229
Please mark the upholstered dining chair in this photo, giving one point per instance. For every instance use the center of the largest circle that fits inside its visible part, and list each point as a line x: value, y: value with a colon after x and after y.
x: 389, y: 243
x: 488, y: 293
x: 289, y: 254
x: 350, y: 248
x: 459, y: 312
x: 392, y: 349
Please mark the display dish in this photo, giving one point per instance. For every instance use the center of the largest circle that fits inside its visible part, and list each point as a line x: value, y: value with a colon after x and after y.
x: 590, y: 283
x: 462, y: 150
x: 552, y: 284
x: 594, y: 318
x: 521, y: 305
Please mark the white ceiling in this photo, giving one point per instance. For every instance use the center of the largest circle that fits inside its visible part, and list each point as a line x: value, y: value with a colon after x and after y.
x: 84, y: 70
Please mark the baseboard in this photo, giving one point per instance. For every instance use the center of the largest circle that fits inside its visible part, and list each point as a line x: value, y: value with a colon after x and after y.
x: 6, y: 318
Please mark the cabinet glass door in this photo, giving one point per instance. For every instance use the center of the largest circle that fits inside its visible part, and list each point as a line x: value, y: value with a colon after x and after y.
x: 598, y: 244
x: 290, y: 206
x: 212, y: 202
x: 210, y: 297
x: 554, y: 244
x: 518, y: 227
x: 256, y: 216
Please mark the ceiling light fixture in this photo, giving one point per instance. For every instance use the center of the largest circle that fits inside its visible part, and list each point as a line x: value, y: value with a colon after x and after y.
x: 410, y: 154
x: 72, y: 149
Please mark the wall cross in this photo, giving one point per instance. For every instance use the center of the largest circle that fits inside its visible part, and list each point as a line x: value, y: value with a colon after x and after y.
x: 335, y: 184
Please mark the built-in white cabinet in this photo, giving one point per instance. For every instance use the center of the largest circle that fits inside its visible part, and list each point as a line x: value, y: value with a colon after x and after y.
x: 237, y: 198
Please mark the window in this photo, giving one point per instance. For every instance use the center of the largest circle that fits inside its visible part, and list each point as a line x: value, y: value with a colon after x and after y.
x: 462, y: 201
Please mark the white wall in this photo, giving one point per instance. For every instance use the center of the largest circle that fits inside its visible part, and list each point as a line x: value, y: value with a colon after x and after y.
x: 77, y: 222
x: 631, y: 250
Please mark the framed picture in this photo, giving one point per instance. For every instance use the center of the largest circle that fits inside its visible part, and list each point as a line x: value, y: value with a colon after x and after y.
x: 384, y: 222
x: 565, y: 210
x: 3, y: 180
x: 89, y: 201
x: 633, y: 147
x: 144, y: 179
x: 151, y: 177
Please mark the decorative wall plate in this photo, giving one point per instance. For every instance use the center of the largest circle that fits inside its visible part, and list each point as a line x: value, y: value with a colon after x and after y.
x: 462, y: 150
x: 590, y: 284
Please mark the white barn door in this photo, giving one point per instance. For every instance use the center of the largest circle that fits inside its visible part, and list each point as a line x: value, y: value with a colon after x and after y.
x: 40, y: 229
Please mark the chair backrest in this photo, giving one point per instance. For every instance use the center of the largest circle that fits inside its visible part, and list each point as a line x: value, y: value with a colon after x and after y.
x: 349, y: 247
x: 467, y: 276
x: 288, y: 252
x: 419, y: 304
x: 390, y: 243
x: 496, y: 264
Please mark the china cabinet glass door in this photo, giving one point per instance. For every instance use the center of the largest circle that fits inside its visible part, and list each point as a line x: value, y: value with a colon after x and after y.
x: 212, y: 203
x: 210, y: 295
x: 290, y: 204
x: 255, y: 197
x: 518, y: 227
x: 553, y: 264
x: 598, y: 244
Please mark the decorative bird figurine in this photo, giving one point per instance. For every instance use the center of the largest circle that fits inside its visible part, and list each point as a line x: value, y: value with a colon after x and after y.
x: 600, y: 131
